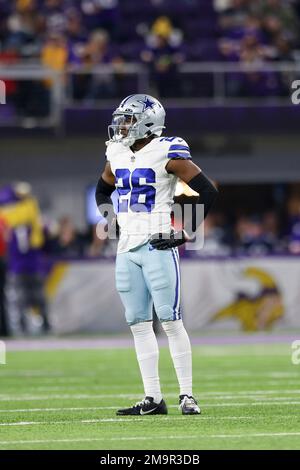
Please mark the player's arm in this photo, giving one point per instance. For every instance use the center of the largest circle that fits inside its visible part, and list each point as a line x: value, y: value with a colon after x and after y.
x: 191, y: 174
x: 105, y: 186
x: 194, y: 177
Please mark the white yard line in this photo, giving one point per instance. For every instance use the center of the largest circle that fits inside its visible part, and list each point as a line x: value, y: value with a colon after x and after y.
x: 218, y: 395
x: 69, y: 396
x: 102, y: 420
x: 256, y: 403
x: 60, y: 375
x: 95, y: 408
x: 134, y: 419
x: 146, y: 438
x: 170, y: 386
x: 44, y: 410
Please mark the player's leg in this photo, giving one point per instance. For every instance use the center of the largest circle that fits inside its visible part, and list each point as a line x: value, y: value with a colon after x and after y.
x: 38, y: 299
x: 162, y: 274
x: 19, y: 286
x: 4, y: 328
x: 180, y: 349
x: 138, y: 311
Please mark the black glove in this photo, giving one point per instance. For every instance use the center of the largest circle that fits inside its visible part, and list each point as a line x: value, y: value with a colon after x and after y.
x: 163, y: 241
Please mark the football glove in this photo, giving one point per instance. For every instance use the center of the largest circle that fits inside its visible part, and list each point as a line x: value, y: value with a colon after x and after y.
x: 163, y: 241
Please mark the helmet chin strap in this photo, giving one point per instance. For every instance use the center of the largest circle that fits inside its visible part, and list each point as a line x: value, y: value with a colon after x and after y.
x: 128, y: 141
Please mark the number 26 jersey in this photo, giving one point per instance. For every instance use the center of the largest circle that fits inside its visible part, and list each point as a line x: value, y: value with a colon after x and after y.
x: 145, y: 188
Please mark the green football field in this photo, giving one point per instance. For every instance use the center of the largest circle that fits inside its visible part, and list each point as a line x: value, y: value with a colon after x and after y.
x: 249, y: 395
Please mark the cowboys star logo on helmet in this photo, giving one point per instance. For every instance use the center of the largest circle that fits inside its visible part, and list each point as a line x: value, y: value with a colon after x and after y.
x: 140, y: 115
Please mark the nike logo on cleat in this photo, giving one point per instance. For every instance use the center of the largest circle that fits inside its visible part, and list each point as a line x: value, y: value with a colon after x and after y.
x: 147, y: 412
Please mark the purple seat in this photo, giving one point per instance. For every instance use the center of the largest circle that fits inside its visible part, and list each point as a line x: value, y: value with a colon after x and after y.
x: 131, y: 51
x: 195, y: 29
x: 202, y: 50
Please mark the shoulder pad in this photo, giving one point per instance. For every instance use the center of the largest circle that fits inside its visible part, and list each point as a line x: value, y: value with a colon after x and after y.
x: 178, y: 148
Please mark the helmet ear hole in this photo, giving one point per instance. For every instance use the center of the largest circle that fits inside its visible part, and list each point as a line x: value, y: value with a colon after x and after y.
x: 148, y: 133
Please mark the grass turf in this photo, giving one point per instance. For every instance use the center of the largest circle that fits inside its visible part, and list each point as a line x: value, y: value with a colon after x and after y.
x: 249, y: 395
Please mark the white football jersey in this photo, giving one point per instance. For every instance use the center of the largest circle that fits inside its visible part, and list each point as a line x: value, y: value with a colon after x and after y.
x: 145, y: 188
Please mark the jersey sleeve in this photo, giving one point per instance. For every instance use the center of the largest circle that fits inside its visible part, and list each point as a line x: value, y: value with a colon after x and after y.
x: 179, y: 149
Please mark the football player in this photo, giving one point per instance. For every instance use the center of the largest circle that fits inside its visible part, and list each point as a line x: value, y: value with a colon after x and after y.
x: 144, y: 167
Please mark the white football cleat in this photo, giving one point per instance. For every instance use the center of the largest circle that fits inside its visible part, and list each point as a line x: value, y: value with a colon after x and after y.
x: 188, y: 405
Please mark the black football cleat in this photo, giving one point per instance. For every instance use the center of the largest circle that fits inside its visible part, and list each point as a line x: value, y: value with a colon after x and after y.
x: 188, y: 405
x: 145, y: 407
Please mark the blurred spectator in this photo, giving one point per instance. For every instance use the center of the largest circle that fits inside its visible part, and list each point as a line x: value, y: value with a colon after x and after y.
x: 233, y: 16
x: 252, y: 237
x: 99, y: 241
x: 283, y: 49
x: 100, y: 14
x: 251, y: 54
x: 90, y: 33
x: 278, y: 16
x: 4, y: 328
x: 96, y: 52
x: 76, y: 35
x: 24, y: 25
x: 68, y: 242
x: 253, y: 33
x: 270, y: 221
x: 54, y: 13
x: 25, y: 243
x: 214, y: 238
x: 256, y: 83
x: 10, y: 56
x: 54, y: 54
x: 293, y: 224
x: 5, y: 10
x: 222, y: 5
x: 74, y: 28
x: 163, y: 55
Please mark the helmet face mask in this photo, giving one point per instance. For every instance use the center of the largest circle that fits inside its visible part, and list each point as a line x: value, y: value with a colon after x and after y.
x: 123, y: 128
x: 137, y: 117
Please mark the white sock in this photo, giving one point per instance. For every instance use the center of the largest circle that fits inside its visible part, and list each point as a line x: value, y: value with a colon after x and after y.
x: 181, y: 353
x: 147, y: 353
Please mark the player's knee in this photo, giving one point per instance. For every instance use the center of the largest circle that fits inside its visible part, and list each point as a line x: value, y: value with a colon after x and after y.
x: 136, y: 318
x: 173, y: 328
x: 164, y: 312
x: 141, y: 328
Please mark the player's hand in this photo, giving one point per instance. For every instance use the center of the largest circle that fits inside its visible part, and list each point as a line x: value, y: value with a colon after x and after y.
x: 164, y: 241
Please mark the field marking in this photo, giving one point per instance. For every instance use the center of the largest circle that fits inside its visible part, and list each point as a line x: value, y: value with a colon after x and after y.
x: 95, y: 408
x: 32, y: 410
x: 204, y: 405
x: 256, y: 403
x: 136, y: 419
x: 79, y: 385
x: 44, y: 375
x: 259, y: 402
x: 144, y: 438
x: 100, y: 420
x: 218, y: 395
x: 256, y: 399
x: 103, y: 408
